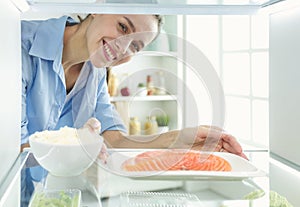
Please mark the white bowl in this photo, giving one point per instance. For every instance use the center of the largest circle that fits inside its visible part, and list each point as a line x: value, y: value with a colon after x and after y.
x: 142, y: 91
x: 65, y: 157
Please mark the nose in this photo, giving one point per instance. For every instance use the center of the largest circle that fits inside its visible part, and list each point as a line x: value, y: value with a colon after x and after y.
x: 123, y: 44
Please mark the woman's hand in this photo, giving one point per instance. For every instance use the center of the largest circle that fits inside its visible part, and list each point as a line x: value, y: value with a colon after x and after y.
x: 94, y: 125
x: 230, y: 144
x: 210, y: 138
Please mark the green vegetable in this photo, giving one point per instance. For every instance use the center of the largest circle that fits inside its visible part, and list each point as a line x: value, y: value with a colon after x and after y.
x: 277, y: 200
x: 254, y: 195
x: 62, y: 200
x: 162, y: 120
x: 140, y: 85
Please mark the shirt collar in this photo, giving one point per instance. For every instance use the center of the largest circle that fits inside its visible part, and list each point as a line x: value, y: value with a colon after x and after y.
x: 48, y: 41
x: 81, y: 80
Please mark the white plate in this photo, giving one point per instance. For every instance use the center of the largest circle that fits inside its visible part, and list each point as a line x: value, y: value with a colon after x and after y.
x: 241, y: 168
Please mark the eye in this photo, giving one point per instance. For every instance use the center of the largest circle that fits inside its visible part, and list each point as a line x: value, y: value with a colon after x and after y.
x: 135, y: 46
x: 123, y: 27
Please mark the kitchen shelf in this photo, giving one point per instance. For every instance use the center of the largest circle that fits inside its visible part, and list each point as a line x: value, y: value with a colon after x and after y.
x: 144, y: 98
x: 149, y: 6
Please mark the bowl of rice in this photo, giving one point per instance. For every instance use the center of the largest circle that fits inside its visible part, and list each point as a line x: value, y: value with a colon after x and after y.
x: 67, y: 151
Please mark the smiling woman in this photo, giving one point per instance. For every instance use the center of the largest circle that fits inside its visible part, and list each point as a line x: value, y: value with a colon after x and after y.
x: 96, y: 42
x: 111, y: 39
x: 63, y: 71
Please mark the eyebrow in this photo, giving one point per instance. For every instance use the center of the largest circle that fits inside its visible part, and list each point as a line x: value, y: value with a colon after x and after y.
x: 130, y: 23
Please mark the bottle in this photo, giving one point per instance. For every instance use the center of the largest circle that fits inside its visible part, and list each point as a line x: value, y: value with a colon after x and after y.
x: 150, y: 86
x: 154, y: 125
x: 112, y: 84
x: 151, y: 125
x: 134, y: 126
x: 160, y: 89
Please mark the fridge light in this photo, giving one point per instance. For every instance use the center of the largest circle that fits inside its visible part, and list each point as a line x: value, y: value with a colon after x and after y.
x: 280, y: 6
x: 22, y: 5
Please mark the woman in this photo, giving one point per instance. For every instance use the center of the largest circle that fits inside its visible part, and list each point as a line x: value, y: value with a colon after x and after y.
x: 64, y: 78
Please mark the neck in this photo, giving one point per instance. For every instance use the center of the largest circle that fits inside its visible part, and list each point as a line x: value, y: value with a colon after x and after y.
x: 75, y: 52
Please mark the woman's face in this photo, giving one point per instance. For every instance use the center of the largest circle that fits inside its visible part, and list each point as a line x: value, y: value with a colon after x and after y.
x: 112, y: 39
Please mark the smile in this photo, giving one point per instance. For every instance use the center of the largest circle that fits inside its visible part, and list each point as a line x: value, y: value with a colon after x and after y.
x: 109, y: 53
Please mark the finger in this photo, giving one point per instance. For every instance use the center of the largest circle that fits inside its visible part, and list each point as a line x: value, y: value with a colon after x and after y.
x: 231, y: 144
x: 218, y: 148
x: 197, y: 147
x: 244, y: 156
x: 241, y: 154
x: 230, y: 149
x: 103, y: 148
x: 223, y: 150
x: 93, y: 124
x: 233, y: 149
x: 103, y: 155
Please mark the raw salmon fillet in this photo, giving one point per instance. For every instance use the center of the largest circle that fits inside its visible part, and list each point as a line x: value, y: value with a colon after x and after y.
x: 162, y: 160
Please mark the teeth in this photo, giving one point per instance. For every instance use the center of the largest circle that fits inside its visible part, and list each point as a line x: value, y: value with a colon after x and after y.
x: 108, y: 51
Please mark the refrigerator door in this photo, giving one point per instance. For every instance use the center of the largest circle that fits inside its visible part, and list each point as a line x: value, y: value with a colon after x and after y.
x: 10, y: 90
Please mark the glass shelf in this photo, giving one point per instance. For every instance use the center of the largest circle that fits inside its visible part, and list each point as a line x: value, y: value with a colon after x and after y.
x: 143, y: 98
x: 151, y: 6
x: 11, y: 178
x: 100, y: 187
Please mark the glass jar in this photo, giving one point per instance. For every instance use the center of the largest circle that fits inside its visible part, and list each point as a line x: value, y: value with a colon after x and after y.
x: 160, y: 89
x: 151, y: 125
x: 134, y: 126
x: 150, y: 86
x: 112, y: 84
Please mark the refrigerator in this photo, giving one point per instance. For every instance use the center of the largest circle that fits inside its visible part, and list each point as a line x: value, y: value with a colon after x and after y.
x: 284, y: 74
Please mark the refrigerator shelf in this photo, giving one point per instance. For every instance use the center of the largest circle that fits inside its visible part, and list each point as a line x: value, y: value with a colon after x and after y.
x: 150, y: 6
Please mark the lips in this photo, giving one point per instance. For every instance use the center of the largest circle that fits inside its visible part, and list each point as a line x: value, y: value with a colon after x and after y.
x: 108, y: 51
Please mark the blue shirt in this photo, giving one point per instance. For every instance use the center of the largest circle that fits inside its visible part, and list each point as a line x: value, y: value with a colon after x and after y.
x: 45, y: 104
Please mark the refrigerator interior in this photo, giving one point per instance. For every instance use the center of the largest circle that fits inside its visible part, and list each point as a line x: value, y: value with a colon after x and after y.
x: 11, y: 60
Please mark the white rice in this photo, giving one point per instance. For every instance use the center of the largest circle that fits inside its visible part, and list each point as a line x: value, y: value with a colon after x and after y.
x: 65, y: 135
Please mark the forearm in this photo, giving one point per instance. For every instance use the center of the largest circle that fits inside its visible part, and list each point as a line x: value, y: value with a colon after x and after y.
x: 115, y: 139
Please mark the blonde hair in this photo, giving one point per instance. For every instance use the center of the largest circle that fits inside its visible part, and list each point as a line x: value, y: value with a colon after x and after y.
x: 159, y: 18
x: 160, y: 22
